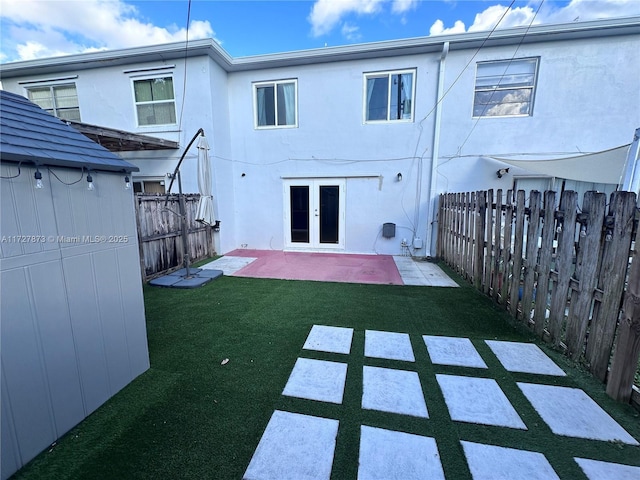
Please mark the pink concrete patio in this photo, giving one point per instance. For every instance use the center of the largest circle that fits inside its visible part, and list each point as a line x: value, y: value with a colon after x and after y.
x: 323, y: 267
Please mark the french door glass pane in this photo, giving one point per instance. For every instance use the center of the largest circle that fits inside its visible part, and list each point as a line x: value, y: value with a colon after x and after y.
x: 299, y: 201
x: 329, y: 213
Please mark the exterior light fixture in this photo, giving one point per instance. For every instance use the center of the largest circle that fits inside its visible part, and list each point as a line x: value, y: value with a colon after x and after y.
x: 127, y: 182
x: 38, y: 177
x: 399, y: 177
x: 501, y: 172
x: 90, y: 182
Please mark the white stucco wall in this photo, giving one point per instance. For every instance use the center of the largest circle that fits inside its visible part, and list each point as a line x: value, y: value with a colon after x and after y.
x: 331, y: 140
x: 587, y: 99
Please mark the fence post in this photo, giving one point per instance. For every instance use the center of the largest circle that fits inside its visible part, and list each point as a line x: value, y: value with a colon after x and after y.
x: 517, y: 255
x: 481, y: 207
x: 625, y: 358
x: 593, y: 208
x: 531, y: 255
x: 615, y: 260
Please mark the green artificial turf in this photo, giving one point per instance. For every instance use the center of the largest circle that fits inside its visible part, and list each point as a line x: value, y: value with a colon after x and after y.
x: 191, y: 417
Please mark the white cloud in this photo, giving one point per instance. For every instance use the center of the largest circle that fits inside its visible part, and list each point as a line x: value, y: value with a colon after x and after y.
x: 326, y: 14
x: 403, y: 6
x: 582, y: 10
x: 41, y: 28
x: 438, y: 28
x: 350, y: 32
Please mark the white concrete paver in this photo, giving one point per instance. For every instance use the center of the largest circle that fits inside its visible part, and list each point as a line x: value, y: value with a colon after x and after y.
x: 317, y: 380
x: 453, y: 351
x: 301, y: 447
x: 524, y: 357
x: 597, y: 470
x: 294, y: 447
x: 390, y: 345
x: 386, y: 455
x: 490, y: 462
x: 421, y: 273
x: 571, y: 412
x: 329, y: 339
x: 229, y: 264
x: 391, y: 390
x: 478, y: 400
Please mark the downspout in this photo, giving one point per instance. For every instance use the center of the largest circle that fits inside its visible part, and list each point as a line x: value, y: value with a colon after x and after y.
x: 433, y: 194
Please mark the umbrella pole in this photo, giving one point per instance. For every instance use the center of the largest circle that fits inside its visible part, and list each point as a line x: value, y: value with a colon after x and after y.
x: 185, y: 234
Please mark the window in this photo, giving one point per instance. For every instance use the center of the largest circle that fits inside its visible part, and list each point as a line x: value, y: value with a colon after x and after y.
x: 58, y: 100
x: 155, y: 101
x: 505, y: 88
x: 275, y: 104
x: 389, y: 96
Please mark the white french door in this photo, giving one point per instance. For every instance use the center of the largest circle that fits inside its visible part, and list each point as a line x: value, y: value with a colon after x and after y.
x: 314, y: 213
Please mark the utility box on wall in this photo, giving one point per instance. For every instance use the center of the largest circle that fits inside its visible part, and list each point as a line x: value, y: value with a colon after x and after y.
x: 389, y: 230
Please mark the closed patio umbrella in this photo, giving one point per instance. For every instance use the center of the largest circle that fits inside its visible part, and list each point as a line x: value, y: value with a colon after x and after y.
x: 205, y: 205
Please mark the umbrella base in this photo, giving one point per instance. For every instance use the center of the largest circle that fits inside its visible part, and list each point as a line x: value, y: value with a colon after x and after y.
x: 197, y: 278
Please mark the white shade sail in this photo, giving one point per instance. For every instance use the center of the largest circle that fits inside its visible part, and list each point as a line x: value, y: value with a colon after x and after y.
x: 600, y: 167
x: 205, y: 205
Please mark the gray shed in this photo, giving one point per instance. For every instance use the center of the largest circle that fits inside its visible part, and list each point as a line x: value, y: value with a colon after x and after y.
x: 72, y: 313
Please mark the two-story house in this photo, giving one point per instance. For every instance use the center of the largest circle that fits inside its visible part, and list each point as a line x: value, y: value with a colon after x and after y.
x: 318, y: 149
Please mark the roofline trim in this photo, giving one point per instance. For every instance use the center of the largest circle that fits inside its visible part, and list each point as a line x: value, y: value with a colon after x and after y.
x: 211, y: 48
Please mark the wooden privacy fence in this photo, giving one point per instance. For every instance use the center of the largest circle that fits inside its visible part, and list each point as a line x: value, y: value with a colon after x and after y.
x: 160, y: 233
x: 559, y: 268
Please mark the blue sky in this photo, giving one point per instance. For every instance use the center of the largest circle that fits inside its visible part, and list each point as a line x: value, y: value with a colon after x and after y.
x: 43, y: 28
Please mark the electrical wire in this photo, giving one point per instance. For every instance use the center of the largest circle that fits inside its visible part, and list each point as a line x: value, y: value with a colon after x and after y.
x: 63, y: 182
x: 502, y: 76
x: 13, y: 176
x: 184, y: 76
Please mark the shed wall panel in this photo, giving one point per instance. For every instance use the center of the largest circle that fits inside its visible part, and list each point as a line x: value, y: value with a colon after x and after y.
x: 52, y: 313
x: 85, y: 320
x: 23, y: 366
x: 110, y: 310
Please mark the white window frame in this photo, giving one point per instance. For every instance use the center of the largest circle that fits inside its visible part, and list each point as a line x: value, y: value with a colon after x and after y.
x: 51, y: 87
x: 506, y: 87
x: 389, y: 74
x: 154, y: 102
x: 274, y: 84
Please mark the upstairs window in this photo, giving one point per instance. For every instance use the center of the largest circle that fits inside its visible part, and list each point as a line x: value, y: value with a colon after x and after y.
x: 58, y: 100
x: 388, y: 96
x: 155, y: 101
x: 276, y: 104
x: 505, y: 88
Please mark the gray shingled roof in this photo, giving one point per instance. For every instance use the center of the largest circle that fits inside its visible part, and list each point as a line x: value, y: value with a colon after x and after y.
x: 29, y: 134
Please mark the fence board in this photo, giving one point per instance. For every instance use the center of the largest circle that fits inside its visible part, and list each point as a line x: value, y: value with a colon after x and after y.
x: 506, y: 252
x: 531, y: 255
x: 615, y: 259
x: 497, y: 235
x: 544, y: 263
x: 469, y: 200
x: 563, y: 264
x: 593, y: 207
x: 481, y: 206
x: 517, y: 255
x: 625, y: 358
x: 489, y: 243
